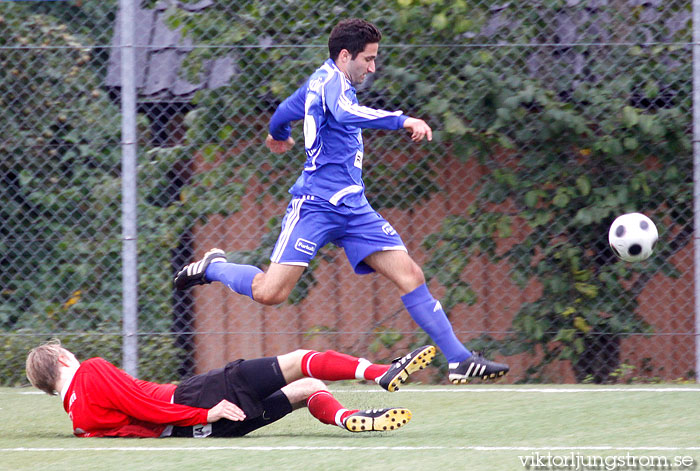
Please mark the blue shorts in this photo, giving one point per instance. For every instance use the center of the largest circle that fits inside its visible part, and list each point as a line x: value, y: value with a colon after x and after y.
x: 310, y: 223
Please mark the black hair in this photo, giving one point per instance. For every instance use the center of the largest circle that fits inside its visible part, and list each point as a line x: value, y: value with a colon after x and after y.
x: 352, y: 34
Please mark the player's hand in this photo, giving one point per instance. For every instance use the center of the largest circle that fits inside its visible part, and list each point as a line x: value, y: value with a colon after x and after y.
x: 279, y: 147
x: 419, y: 129
x: 225, y: 410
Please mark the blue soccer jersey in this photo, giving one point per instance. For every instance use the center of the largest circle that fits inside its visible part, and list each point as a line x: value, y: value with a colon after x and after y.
x: 333, y: 122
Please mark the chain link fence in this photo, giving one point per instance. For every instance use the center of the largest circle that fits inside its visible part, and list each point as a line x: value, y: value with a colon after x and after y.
x: 550, y: 118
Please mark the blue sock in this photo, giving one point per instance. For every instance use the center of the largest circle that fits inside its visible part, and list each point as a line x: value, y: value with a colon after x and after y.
x: 428, y: 313
x: 237, y: 277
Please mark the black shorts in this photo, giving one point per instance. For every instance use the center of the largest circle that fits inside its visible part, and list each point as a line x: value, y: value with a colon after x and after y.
x: 253, y: 385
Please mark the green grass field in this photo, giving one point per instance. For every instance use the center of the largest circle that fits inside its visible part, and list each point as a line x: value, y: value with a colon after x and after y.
x: 457, y: 428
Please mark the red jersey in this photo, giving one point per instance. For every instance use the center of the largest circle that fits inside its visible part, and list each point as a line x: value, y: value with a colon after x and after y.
x: 104, y: 401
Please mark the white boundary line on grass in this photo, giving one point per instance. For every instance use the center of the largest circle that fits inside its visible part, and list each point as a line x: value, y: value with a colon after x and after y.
x: 352, y: 448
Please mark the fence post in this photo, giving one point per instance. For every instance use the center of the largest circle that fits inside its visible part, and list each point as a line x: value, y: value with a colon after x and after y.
x: 129, y: 229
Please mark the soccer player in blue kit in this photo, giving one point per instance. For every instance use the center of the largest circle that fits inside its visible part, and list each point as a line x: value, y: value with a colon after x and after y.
x: 329, y: 204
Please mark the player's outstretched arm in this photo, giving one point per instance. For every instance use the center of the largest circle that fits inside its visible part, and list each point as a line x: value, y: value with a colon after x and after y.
x: 419, y: 129
x: 279, y: 147
x: 225, y: 410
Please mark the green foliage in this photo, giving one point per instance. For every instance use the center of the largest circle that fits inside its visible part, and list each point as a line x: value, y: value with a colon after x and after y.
x: 631, y: 374
x: 158, y: 358
x: 60, y: 191
x: 92, y: 20
x: 58, y: 167
x: 385, y: 338
x: 564, y: 165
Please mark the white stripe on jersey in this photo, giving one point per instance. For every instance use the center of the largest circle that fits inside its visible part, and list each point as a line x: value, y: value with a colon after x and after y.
x: 395, y: 247
x: 288, y: 228
x: 364, y: 111
x: 313, y: 153
x: 345, y: 191
x: 359, y: 110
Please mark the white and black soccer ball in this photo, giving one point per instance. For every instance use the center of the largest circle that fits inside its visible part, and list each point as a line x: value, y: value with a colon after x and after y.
x: 632, y: 237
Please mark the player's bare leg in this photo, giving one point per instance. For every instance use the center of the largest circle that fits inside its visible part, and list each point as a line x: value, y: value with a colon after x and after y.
x: 398, y: 267
x: 299, y: 391
x: 274, y: 285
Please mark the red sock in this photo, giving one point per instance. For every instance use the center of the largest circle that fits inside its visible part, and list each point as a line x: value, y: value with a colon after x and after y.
x: 327, y: 409
x: 334, y: 366
x: 375, y: 371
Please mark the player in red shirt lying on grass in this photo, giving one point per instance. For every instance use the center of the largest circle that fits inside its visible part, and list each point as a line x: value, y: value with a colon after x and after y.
x: 104, y: 401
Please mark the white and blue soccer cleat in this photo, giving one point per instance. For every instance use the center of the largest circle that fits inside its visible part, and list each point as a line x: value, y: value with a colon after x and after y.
x: 476, y: 366
x: 193, y: 274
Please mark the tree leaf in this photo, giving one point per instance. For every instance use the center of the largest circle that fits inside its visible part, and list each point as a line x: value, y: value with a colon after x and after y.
x: 581, y: 324
x: 560, y: 200
x: 588, y: 290
x: 630, y: 116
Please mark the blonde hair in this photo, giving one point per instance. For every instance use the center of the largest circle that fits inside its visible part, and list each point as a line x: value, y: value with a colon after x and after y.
x: 42, y: 366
